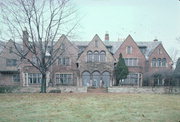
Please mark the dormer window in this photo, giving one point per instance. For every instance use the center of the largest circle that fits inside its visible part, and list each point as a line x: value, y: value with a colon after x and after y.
x: 128, y: 50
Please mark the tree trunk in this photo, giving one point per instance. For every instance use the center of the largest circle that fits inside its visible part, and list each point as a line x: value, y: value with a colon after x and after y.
x: 43, y: 83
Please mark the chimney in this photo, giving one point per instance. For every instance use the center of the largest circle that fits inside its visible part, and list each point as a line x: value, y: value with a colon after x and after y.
x: 106, y: 37
x: 155, y: 40
x: 25, y: 39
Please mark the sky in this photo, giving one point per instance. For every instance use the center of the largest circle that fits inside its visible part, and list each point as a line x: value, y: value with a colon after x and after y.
x: 144, y: 20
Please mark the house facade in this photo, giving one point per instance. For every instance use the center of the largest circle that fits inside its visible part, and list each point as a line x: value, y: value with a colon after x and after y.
x: 91, y: 64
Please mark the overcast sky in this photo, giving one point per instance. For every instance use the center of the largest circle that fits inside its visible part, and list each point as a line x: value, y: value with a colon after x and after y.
x: 144, y: 20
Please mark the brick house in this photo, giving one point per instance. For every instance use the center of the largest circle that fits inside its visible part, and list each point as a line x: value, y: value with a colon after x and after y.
x: 83, y: 63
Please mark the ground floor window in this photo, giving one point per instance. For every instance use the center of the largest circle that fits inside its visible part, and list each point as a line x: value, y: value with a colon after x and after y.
x: 64, y: 79
x: 34, y: 78
x: 158, y: 81
x: 96, y: 79
x: 16, y: 78
x: 132, y: 79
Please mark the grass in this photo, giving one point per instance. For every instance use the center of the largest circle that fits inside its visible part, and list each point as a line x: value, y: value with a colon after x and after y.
x: 89, y: 107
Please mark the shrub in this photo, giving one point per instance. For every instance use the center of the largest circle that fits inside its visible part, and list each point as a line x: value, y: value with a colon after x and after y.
x: 7, y: 89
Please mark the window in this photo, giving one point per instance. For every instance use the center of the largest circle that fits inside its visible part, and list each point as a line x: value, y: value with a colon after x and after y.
x: 128, y: 50
x: 164, y: 62
x: 96, y: 43
x: 11, y: 62
x: 86, y: 78
x: 131, y: 61
x: 34, y: 78
x: 154, y: 62
x: 102, y: 56
x: 158, y: 80
x: 64, y: 79
x: 143, y: 49
x: 89, y: 56
x: 96, y: 56
x: 159, y: 51
x: 16, y: 78
x: 62, y: 47
x: 10, y: 49
x: 64, y: 61
x: 159, y: 62
x: 132, y: 79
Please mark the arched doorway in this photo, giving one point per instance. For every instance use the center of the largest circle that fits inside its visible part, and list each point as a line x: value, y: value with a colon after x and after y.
x: 105, y: 79
x: 96, y: 79
x: 86, y: 78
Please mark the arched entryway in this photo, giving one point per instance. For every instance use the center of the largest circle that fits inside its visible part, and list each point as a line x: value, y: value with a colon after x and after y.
x: 86, y: 78
x: 105, y: 79
x: 96, y: 79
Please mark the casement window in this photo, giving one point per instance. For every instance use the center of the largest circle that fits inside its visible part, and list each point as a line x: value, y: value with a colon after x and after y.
x: 11, y: 62
x: 131, y: 61
x: 65, y: 61
x: 128, y: 50
x: 96, y: 56
x: 64, y: 79
x: 164, y: 62
x: 89, y: 56
x: 16, y: 78
x: 102, y: 56
x: 154, y: 62
x: 34, y: 78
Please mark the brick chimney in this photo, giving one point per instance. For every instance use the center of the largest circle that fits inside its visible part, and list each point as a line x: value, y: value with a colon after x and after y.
x: 155, y: 40
x: 25, y: 39
x: 106, y: 39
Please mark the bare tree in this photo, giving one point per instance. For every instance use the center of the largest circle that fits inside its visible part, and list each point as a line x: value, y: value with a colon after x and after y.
x: 42, y: 22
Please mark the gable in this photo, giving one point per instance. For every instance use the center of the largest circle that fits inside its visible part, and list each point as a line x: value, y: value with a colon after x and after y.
x: 134, y: 49
x: 96, y: 45
x: 160, y: 52
x: 69, y: 48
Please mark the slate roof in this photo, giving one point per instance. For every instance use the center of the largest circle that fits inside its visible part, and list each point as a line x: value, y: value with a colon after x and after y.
x: 150, y: 46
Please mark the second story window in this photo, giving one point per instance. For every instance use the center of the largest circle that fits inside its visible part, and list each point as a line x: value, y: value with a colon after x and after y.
x: 164, y: 62
x: 65, y: 61
x: 11, y: 62
x: 159, y: 62
x: 89, y: 56
x: 102, y: 56
x: 131, y: 61
x: 154, y: 62
x: 128, y: 50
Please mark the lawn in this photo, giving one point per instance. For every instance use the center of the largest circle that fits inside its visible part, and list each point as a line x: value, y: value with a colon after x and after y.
x: 90, y: 107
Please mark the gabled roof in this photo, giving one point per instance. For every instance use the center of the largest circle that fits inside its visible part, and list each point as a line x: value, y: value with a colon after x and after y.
x: 150, y: 46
